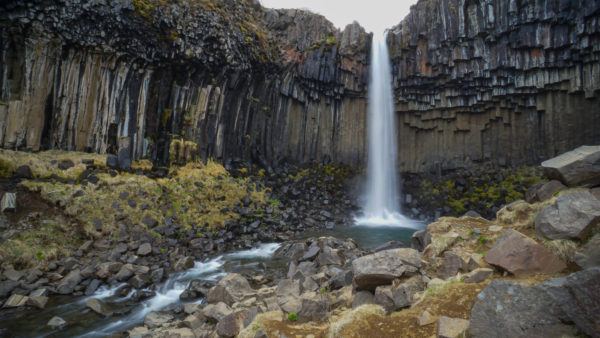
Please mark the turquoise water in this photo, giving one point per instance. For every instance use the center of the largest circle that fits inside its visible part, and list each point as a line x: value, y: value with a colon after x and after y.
x: 367, y: 237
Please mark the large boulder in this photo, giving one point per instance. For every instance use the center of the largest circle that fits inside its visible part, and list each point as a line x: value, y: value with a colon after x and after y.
x: 579, y: 167
x: 509, y: 309
x: 383, y: 267
x: 521, y: 255
x: 399, y: 295
x: 230, y: 289
x: 543, y: 191
x: 573, y: 216
x: 589, y: 255
x: 68, y: 284
x: 99, y: 307
x: 233, y: 323
x: 451, y: 327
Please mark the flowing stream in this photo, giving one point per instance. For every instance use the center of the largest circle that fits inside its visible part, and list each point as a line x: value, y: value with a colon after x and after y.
x: 382, y: 202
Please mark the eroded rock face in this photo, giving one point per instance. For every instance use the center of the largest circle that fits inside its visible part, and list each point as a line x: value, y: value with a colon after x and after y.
x: 507, y: 81
x: 383, y: 267
x: 573, y: 216
x: 521, y: 255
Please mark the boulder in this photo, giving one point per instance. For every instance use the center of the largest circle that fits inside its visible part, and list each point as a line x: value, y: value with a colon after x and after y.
x: 288, y: 288
x: 68, y: 283
x: 362, y: 298
x: 451, y: 327
x: 399, y: 295
x: 57, y: 323
x: 579, y: 167
x: 521, y: 255
x: 383, y: 267
x: 451, y: 264
x: 573, y: 216
x: 37, y: 301
x: 589, y: 254
x: 216, y: 312
x: 112, y: 161
x: 556, y: 308
x: 106, y: 270
x: 184, y: 263
x: 314, y: 307
x: 230, y: 289
x: 124, y: 153
x: 420, y: 240
x: 157, y: 319
x: 8, y: 202
x: 24, y: 172
x: 478, y: 275
x: 99, y: 307
x: 233, y: 323
x: 543, y: 191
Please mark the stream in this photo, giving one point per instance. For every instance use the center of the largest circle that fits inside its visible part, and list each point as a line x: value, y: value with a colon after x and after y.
x: 82, y: 322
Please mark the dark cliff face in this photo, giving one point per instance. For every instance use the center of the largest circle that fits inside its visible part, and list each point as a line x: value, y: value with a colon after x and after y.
x: 170, y: 80
x: 506, y: 81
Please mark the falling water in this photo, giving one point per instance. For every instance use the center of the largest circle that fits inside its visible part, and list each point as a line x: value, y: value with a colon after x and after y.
x: 382, y: 205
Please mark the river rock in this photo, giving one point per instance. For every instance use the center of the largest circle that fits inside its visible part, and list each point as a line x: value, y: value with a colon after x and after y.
x: 144, y: 249
x: 313, y: 306
x: 420, y: 239
x: 37, y: 301
x: 99, y: 307
x: 383, y: 267
x: 16, y: 300
x: 579, y: 167
x: 157, y: 319
x: 230, y: 289
x: 573, y: 216
x: 589, y: 254
x: 184, y: 263
x: 216, y: 312
x: 451, y: 327
x: 68, y: 283
x: 6, y: 287
x: 106, y: 270
x: 521, y: 255
x: 233, y: 323
x: 57, y: 323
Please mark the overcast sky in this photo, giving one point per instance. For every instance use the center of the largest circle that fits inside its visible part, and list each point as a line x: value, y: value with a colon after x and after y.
x: 374, y: 15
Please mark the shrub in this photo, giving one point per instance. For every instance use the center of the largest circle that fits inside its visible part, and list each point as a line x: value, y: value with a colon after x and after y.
x: 292, y: 316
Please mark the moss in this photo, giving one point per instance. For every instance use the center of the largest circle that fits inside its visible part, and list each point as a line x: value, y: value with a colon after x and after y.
x: 45, y: 164
x: 292, y: 316
x: 7, y: 168
x: 330, y: 40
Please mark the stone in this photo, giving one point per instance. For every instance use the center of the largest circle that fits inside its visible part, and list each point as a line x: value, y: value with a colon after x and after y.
x: 383, y: 267
x: 521, y: 255
x: 478, y: 275
x: 472, y: 214
x: 126, y: 272
x: 578, y: 167
x: 589, y: 254
x: 420, y: 240
x: 451, y: 264
x: 157, y: 319
x: 400, y: 295
x: 23, y: 172
x: 8, y: 202
x: 216, y: 312
x: 451, y: 327
x: 106, y: 270
x: 124, y: 153
x: 16, y: 300
x: 144, y: 249
x: 288, y: 288
x: 230, y: 289
x: 57, y: 323
x: 426, y: 318
x: 544, y: 191
x: 69, y: 282
x: 233, y: 323
x: 314, y: 307
x: 362, y: 298
x: 37, y: 301
x: 65, y: 164
x: 6, y: 287
x: 572, y: 216
x: 184, y: 263
x: 13, y: 275
x: 99, y: 307
x: 311, y: 253
x: 112, y: 161
x: 92, y: 287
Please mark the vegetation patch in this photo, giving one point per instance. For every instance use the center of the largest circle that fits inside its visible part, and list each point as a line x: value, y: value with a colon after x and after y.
x: 45, y: 164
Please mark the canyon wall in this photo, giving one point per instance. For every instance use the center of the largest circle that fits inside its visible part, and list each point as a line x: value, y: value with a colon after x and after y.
x: 509, y: 82
x: 171, y: 81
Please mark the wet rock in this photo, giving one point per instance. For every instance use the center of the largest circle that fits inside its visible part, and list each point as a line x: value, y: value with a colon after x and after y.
x: 383, y: 267
x: 451, y: 327
x: 573, y: 216
x: 230, y: 289
x: 543, y: 191
x: 106, y: 270
x: 37, y: 301
x: 68, y: 284
x: 92, y: 287
x: 8, y: 202
x: 521, y: 255
x: 99, y: 307
x: 139, y: 281
x: 577, y: 167
x: 589, y: 254
x: 389, y: 245
x: 57, y: 323
x: 16, y: 300
x: 157, y: 319
x: 184, y: 263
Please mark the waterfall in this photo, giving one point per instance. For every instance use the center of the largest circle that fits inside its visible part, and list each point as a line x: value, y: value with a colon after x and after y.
x: 382, y: 202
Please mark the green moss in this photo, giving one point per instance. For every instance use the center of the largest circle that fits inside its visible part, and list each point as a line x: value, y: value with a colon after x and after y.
x: 7, y: 169
x: 292, y: 316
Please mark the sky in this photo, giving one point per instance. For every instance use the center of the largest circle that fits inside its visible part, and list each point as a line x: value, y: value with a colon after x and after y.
x: 374, y: 15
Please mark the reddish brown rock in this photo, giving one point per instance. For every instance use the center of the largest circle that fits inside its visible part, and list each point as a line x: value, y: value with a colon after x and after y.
x: 521, y: 255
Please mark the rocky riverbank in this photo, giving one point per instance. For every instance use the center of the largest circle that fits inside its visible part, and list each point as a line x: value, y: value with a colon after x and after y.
x: 150, y: 255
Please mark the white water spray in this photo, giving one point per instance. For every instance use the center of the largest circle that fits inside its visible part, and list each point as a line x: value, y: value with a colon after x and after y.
x: 382, y: 205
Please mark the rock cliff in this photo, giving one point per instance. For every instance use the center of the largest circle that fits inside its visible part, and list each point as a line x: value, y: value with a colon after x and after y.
x: 173, y: 80
x: 507, y: 81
